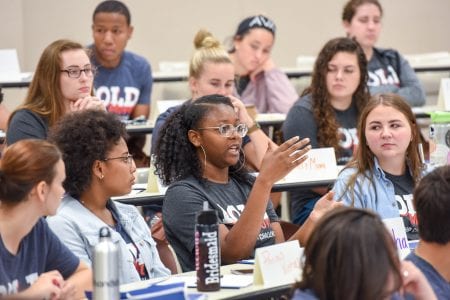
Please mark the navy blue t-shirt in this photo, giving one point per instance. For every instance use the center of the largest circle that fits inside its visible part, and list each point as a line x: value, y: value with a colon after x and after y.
x: 40, y: 251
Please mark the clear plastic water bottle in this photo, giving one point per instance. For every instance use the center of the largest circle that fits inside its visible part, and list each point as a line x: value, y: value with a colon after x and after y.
x: 106, y: 268
x: 207, y: 250
x: 439, y: 144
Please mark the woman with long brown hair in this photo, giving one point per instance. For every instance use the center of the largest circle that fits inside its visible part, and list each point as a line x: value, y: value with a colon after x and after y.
x: 327, y: 113
x: 387, y: 165
x: 62, y: 83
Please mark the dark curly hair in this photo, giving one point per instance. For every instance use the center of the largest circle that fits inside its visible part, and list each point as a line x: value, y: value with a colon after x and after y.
x: 324, y: 115
x: 175, y: 156
x: 84, y: 137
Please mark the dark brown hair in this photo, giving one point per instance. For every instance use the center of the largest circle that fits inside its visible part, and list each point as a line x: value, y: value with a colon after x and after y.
x: 23, y: 165
x: 350, y: 255
x: 432, y: 205
x: 324, y: 115
x: 351, y: 6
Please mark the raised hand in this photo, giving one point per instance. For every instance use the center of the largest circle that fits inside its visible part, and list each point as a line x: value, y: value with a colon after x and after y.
x: 278, y: 162
x: 415, y: 283
x: 324, y: 205
x: 266, y: 66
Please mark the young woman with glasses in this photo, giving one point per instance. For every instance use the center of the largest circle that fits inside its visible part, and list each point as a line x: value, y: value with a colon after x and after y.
x: 211, y: 71
x: 200, y: 156
x: 99, y: 167
x: 61, y: 84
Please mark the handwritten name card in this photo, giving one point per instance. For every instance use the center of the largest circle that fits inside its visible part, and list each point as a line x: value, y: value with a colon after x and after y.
x: 278, y: 264
x: 396, y: 228
x: 320, y: 165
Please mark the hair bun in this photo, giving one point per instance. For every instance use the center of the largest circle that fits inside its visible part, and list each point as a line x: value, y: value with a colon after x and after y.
x: 204, y: 39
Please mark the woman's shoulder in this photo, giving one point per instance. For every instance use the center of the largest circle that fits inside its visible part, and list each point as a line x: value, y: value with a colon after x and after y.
x: 185, y: 184
x: 302, y: 105
x: 25, y: 113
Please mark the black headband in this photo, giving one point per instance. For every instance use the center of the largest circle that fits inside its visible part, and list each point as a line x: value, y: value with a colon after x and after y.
x: 256, y: 22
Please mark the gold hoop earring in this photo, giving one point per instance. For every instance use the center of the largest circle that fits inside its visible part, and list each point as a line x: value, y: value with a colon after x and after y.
x: 204, y: 154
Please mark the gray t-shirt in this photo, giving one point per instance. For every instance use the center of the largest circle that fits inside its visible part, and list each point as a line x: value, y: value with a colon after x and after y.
x: 26, y: 124
x: 389, y: 72
x: 184, y: 199
x: 300, y: 121
x: 440, y: 286
x: 403, y: 187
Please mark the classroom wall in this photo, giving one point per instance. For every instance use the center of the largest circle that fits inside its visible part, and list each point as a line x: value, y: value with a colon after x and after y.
x: 164, y: 29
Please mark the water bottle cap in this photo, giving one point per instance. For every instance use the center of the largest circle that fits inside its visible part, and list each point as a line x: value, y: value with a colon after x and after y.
x: 104, y: 232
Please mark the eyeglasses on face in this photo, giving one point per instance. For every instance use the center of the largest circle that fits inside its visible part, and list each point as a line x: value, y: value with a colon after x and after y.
x: 76, y: 72
x: 227, y: 130
x: 128, y: 159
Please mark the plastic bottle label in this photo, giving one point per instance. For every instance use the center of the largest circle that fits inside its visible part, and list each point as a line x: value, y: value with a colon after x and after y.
x: 207, y: 257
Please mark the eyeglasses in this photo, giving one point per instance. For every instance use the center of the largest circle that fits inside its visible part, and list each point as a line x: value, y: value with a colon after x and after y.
x: 76, y: 72
x: 227, y: 130
x: 126, y: 159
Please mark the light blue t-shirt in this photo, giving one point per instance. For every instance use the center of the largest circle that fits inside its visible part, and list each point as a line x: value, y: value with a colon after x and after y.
x: 123, y: 87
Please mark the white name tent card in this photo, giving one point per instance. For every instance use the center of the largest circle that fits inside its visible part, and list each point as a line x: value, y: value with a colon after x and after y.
x: 9, y: 66
x: 278, y: 264
x: 444, y: 95
x: 320, y: 165
x: 396, y: 228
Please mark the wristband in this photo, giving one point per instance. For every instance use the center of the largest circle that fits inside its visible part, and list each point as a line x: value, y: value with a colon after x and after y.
x: 255, y: 127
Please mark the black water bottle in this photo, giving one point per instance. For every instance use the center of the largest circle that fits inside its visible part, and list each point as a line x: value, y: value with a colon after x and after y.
x: 207, y: 250
x: 106, y: 268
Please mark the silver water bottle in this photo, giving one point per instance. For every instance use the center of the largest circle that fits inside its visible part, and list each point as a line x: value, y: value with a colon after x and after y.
x: 106, y: 268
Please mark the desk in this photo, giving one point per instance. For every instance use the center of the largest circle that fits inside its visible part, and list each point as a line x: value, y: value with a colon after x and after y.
x: 262, y: 119
x: 251, y: 292
x: 270, y: 119
x: 146, y: 128
x: 183, y: 76
x: 145, y: 198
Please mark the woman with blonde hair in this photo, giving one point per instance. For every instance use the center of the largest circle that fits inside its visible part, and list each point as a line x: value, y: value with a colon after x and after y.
x: 211, y: 71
